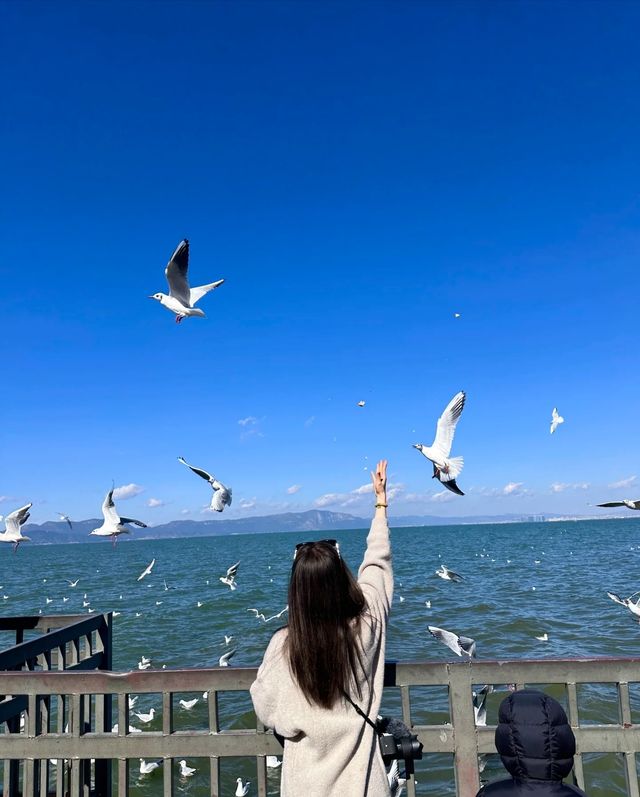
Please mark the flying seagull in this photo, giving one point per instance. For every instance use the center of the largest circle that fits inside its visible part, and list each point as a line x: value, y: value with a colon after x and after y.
x: 67, y: 518
x: 446, y: 468
x: 230, y: 578
x: 460, y: 645
x: 181, y: 299
x: 12, y: 523
x: 556, y: 420
x: 361, y: 403
x: 625, y: 502
x: 113, y: 525
x: 448, y: 575
x: 221, y: 495
x: 634, y: 608
x: 147, y: 570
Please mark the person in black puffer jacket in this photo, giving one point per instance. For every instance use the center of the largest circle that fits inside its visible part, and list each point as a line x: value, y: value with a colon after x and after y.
x: 536, y: 745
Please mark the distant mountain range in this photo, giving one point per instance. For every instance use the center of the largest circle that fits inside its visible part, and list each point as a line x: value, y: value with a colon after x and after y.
x: 53, y: 532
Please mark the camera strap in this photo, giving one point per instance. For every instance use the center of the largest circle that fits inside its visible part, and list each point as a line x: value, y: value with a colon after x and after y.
x: 362, y: 714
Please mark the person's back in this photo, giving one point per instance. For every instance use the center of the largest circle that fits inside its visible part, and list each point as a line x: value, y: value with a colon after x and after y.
x: 536, y: 745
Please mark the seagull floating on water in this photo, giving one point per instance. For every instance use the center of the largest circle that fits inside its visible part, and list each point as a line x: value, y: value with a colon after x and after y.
x: 446, y: 468
x: 147, y: 768
x: 182, y: 299
x: 146, y: 717
x: 230, y: 578
x: 147, y: 570
x: 460, y: 645
x: 12, y: 523
x: 556, y: 420
x: 185, y: 771
x: 625, y: 502
x: 187, y: 705
x: 113, y: 525
x: 448, y: 575
x: 543, y: 638
x: 273, y: 762
x: 72, y: 583
x: 221, y: 495
x: 242, y: 788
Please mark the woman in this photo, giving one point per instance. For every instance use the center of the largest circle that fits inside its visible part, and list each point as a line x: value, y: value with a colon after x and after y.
x: 333, y: 645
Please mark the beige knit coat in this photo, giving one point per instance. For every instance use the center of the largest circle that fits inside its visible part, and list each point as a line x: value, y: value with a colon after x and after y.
x: 333, y: 752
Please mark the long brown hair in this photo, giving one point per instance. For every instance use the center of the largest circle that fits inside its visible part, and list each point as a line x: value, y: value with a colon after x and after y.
x: 322, y: 643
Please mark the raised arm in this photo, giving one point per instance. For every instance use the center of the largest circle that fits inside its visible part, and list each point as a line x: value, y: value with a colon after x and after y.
x: 375, y: 575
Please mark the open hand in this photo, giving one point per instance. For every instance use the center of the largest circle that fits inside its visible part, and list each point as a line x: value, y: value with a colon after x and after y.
x: 379, y: 479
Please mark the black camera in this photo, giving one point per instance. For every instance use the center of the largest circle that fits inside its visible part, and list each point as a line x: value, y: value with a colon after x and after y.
x: 397, y: 742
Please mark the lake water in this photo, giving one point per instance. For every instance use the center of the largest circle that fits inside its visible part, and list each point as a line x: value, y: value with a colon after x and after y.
x: 521, y: 580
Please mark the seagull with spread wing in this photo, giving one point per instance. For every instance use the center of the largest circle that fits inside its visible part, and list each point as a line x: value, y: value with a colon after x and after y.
x: 221, y: 495
x: 67, y: 519
x: 13, y: 521
x: 147, y: 570
x: 448, y: 575
x: 113, y: 524
x: 460, y: 645
x: 625, y: 502
x: 556, y: 420
x: 230, y: 579
x: 182, y: 299
x: 446, y: 468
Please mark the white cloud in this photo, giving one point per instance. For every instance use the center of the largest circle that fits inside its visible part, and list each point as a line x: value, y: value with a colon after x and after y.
x: 185, y: 511
x: 363, y: 490
x: 623, y: 483
x: 356, y: 496
x: 309, y: 420
x: 295, y: 488
x: 154, y: 502
x: 127, y: 491
x: 248, y: 503
x: 513, y: 488
x: 442, y: 497
x: 250, y: 420
x: 560, y: 487
x: 5, y: 498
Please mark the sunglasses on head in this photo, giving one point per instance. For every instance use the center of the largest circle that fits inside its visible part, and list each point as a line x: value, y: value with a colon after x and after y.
x: 333, y: 543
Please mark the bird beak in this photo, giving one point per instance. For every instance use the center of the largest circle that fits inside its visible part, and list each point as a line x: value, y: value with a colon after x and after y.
x: 151, y: 297
x: 416, y: 445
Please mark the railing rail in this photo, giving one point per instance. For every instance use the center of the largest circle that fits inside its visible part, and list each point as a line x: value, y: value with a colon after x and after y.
x: 69, y: 644
x: 460, y: 737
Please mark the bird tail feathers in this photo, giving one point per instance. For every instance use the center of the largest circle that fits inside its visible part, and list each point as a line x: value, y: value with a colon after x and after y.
x: 455, y: 469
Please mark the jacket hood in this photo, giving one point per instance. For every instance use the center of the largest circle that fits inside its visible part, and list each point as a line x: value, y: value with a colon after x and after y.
x: 533, y: 737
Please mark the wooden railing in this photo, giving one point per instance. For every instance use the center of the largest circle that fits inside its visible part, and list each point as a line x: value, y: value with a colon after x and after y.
x: 89, y: 734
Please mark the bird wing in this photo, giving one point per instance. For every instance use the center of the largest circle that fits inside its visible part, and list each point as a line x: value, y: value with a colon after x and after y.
x: 616, y: 598
x: 467, y: 645
x: 447, y: 424
x: 448, y: 638
x: 196, y: 294
x: 455, y: 576
x: 109, y: 509
x: 17, y: 518
x: 233, y: 569
x: 227, y: 656
x: 612, y: 503
x: 451, y: 485
x: 202, y: 473
x: 176, y: 273
x: 135, y: 522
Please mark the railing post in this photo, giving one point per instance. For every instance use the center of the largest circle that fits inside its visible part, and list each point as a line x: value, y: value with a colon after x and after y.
x: 462, y: 719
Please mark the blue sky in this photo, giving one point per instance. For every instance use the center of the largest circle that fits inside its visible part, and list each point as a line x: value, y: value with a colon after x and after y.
x: 358, y: 173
